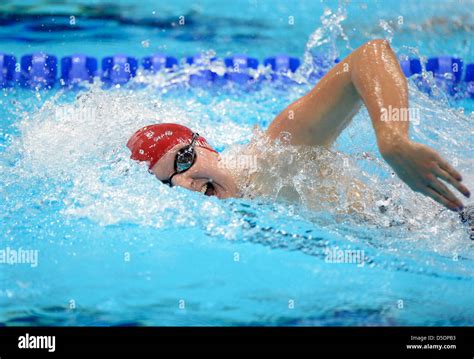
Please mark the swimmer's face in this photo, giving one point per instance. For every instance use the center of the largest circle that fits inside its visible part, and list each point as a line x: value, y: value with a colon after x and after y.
x: 206, y: 175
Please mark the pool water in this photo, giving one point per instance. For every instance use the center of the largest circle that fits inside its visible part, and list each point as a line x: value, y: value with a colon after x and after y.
x: 116, y: 247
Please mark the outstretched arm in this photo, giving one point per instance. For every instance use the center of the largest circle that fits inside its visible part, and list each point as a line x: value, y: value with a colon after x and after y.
x: 371, y: 75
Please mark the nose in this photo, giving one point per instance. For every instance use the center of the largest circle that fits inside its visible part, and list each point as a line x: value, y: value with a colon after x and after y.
x: 182, y: 180
x: 186, y: 181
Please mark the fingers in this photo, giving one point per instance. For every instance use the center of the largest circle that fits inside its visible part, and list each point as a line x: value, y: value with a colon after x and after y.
x: 441, y: 188
x: 450, y: 169
x: 455, y: 183
x: 441, y: 199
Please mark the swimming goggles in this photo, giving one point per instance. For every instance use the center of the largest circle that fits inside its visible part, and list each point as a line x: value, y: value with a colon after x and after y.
x: 184, y: 159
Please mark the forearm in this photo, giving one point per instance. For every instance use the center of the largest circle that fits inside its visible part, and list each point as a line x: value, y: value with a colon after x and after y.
x: 379, y: 80
x: 382, y: 86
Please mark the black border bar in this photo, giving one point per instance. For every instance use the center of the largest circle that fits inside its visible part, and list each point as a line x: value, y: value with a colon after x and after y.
x: 81, y: 340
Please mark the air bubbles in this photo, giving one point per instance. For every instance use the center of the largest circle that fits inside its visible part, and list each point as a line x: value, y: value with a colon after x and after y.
x: 284, y: 138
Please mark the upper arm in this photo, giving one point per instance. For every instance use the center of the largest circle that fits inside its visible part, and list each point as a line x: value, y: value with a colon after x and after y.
x: 319, y: 117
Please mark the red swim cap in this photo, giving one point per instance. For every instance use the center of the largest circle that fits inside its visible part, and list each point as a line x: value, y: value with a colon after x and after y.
x: 152, y: 142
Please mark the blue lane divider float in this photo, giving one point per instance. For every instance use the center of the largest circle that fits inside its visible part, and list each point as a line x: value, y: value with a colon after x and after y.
x: 118, y: 69
x: 202, y: 77
x: 7, y: 70
x: 159, y: 62
x: 39, y: 70
x: 238, y: 68
x: 440, y: 66
x: 469, y: 79
x: 78, y: 68
x: 410, y: 67
x: 281, y: 64
x: 447, y: 72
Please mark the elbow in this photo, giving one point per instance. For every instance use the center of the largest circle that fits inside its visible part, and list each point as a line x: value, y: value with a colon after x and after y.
x: 369, y: 51
x: 372, y: 57
x: 374, y: 50
x: 376, y: 44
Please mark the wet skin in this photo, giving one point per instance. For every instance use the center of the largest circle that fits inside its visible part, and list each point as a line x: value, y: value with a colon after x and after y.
x: 207, y: 174
x: 370, y: 76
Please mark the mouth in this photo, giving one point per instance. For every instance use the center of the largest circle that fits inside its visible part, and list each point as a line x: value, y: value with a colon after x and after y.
x: 208, y: 189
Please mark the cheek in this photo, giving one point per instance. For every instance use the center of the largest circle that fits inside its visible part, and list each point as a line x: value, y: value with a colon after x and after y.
x: 200, y: 172
x: 185, y: 180
x: 204, y: 165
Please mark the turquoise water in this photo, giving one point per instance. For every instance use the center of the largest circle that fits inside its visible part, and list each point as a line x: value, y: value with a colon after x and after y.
x: 254, y: 27
x: 115, y: 247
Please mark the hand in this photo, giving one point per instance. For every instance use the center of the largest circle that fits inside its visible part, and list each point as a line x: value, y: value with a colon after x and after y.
x: 422, y: 169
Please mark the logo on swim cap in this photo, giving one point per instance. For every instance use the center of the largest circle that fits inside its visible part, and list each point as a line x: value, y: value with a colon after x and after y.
x: 152, y: 142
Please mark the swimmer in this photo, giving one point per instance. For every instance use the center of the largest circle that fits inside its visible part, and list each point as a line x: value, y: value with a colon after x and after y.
x: 370, y: 76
